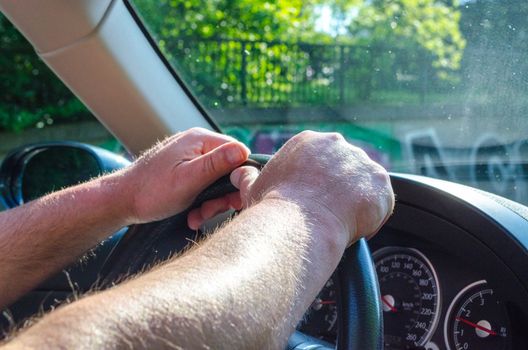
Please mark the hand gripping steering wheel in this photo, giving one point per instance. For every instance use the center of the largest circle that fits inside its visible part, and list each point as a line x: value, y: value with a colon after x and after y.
x: 360, y: 324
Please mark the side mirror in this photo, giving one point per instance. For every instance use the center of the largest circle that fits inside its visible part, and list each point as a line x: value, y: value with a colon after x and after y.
x: 32, y: 171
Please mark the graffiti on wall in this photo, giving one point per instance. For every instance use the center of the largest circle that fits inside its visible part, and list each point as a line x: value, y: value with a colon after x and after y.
x: 488, y: 163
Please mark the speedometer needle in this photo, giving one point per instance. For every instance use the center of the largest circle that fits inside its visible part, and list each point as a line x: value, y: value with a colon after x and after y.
x: 386, y: 302
x: 474, y: 325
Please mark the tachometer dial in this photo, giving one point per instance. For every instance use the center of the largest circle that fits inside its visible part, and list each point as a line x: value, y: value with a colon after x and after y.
x: 320, y: 320
x: 476, y: 320
x: 410, y: 297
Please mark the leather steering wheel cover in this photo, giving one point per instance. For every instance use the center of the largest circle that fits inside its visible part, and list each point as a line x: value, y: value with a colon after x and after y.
x: 360, y: 316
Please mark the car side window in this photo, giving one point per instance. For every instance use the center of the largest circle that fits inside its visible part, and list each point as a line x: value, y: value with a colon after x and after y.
x: 35, y: 105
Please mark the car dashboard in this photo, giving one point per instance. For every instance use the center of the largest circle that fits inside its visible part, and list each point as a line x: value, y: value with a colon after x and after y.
x: 451, y: 273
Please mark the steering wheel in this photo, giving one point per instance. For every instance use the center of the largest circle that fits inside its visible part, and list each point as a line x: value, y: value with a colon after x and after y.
x: 360, y: 324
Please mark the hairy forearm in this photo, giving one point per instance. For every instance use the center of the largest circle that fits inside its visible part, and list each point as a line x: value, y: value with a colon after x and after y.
x: 245, y: 287
x: 49, y: 233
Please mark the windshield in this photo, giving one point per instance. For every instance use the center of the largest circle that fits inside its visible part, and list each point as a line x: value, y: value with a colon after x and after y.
x: 431, y: 87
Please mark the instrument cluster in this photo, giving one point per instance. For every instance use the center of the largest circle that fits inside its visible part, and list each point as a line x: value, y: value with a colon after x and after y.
x: 423, y: 308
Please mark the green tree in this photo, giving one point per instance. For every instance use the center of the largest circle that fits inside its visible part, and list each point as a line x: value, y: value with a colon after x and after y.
x: 254, y: 51
x: 30, y: 93
x: 426, y: 31
x: 243, y: 19
x: 431, y: 25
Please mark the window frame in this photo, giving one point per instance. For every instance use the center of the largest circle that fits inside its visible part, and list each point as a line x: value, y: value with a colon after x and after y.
x: 141, y: 25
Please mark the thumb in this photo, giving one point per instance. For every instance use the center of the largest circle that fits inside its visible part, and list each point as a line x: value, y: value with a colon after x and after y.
x: 242, y: 178
x: 209, y: 167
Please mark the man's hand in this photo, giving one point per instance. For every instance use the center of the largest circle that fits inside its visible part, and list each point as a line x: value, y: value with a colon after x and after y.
x: 325, y: 175
x: 41, y: 237
x: 310, y: 169
x: 166, y: 179
x: 248, y: 285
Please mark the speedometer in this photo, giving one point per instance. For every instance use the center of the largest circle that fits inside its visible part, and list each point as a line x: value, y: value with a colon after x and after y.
x: 410, y: 297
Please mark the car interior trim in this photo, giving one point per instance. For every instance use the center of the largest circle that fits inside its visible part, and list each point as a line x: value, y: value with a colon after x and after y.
x: 123, y: 82
x: 169, y: 67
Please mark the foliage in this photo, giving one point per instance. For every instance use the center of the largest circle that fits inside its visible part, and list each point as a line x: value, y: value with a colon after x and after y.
x: 258, y: 52
x: 242, y: 19
x: 31, y: 95
x: 428, y: 24
x: 271, y: 52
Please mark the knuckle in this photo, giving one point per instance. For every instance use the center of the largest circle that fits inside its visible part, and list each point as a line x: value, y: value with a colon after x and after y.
x: 383, y: 186
x: 307, y: 137
x: 196, y: 131
x: 335, y: 136
x: 249, y: 175
x: 292, y: 142
x: 170, y: 138
x: 380, y: 175
x: 209, y: 164
x: 306, y: 134
x: 359, y: 152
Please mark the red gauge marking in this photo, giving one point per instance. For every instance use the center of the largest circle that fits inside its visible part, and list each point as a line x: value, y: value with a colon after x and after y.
x: 392, y: 308
x: 474, y: 325
x: 327, y: 302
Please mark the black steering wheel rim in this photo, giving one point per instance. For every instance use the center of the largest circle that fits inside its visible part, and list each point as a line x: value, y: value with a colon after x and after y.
x: 360, y: 323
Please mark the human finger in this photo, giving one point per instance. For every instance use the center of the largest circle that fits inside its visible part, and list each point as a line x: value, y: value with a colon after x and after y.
x: 243, y: 178
x: 204, y: 140
x: 205, y: 169
x: 214, y: 207
x: 235, y: 201
x: 194, y: 219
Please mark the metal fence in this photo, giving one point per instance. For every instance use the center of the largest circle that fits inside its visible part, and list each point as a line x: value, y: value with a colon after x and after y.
x: 257, y: 73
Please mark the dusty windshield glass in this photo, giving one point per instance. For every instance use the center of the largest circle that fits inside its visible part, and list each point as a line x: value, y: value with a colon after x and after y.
x: 437, y: 88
